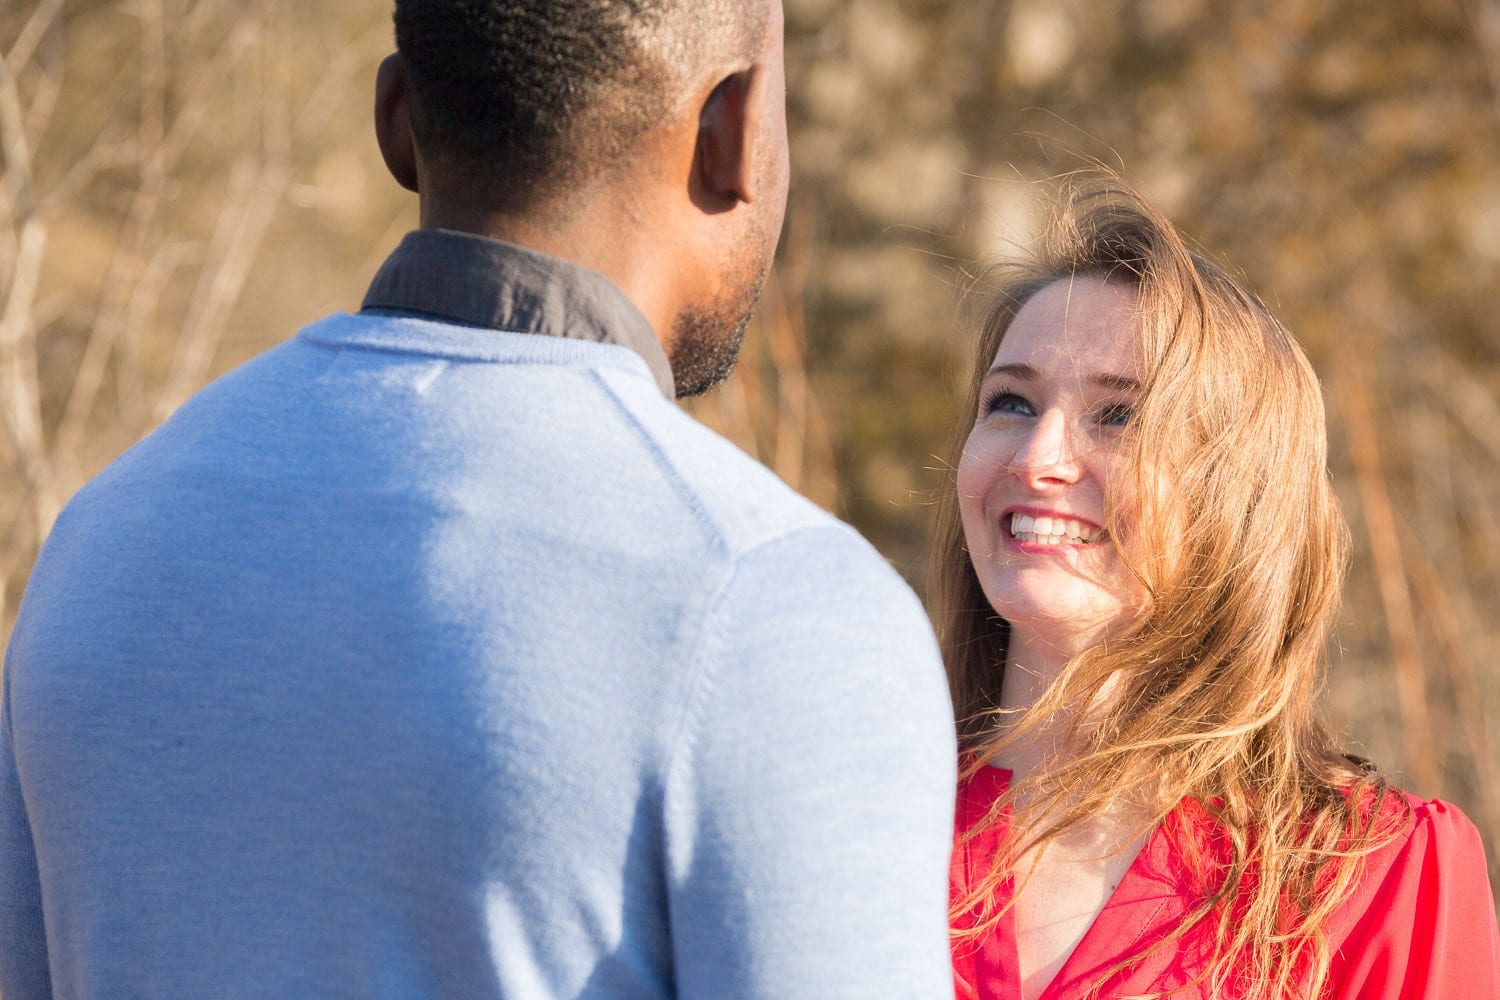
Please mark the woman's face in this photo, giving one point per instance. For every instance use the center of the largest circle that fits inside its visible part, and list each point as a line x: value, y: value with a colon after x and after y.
x: 1045, y: 452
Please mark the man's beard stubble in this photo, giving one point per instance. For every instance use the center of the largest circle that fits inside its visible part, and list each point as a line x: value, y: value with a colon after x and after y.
x: 706, y: 340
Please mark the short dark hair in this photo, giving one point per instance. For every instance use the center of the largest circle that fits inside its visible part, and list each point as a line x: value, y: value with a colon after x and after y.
x: 524, y: 96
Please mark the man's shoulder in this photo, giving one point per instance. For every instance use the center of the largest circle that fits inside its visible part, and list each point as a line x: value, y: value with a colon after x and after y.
x: 595, y: 412
x: 743, y: 503
x: 372, y: 402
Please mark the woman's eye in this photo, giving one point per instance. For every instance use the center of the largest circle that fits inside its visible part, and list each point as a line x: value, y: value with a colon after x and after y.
x: 1006, y: 402
x: 1115, y: 415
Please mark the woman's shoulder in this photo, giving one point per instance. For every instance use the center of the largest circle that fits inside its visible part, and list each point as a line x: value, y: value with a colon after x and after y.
x: 1438, y: 815
x: 1421, y: 918
x: 979, y: 787
x: 1414, y: 830
x: 978, y: 830
x: 1433, y: 842
x: 1407, y: 849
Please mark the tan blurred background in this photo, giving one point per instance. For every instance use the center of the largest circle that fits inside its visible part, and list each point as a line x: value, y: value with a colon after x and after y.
x: 185, y: 182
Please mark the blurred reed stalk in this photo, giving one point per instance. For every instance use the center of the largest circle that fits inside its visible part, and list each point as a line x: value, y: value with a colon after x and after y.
x: 34, y: 493
x: 1450, y: 580
x: 149, y: 326
x: 1484, y: 20
x: 1432, y: 561
x: 1391, y: 578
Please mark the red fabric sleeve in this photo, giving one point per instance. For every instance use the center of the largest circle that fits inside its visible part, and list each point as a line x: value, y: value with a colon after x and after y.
x: 1422, y: 924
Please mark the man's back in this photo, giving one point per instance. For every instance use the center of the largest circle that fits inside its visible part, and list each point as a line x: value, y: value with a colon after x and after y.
x: 417, y: 659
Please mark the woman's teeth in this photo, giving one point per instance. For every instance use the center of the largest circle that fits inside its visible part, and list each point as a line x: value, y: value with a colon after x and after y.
x: 1052, y: 531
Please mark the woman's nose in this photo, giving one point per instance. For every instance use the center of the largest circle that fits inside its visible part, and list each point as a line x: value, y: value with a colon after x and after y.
x: 1046, y: 454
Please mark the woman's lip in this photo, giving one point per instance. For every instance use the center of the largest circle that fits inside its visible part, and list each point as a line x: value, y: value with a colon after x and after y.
x: 1037, y: 548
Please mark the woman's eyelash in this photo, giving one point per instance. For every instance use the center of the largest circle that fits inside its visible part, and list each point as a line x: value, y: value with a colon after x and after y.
x: 996, y: 399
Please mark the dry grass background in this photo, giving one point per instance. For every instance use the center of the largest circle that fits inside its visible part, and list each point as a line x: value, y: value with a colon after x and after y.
x: 185, y: 183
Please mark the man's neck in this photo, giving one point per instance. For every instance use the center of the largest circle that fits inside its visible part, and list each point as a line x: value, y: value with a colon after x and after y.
x: 614, y: 243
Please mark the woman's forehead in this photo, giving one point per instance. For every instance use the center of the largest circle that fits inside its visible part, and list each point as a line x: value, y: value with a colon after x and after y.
x: 1080, y: 325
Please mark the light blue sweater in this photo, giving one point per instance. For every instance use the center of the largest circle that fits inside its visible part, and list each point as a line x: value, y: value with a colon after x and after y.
x: 415, y: 659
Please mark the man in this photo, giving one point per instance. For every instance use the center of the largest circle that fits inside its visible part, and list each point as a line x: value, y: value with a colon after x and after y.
x: 436, y: 652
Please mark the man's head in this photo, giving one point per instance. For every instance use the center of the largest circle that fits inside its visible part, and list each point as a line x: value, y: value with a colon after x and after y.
x: 543, y: 120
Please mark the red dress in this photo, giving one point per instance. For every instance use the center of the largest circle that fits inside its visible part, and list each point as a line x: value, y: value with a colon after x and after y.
x: 1421, y: 923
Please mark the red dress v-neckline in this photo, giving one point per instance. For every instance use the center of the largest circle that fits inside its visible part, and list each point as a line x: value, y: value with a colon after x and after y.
x: 1148, y: 899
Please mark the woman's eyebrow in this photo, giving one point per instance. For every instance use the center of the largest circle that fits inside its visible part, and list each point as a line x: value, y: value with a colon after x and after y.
x: 1024, y: 372
x: 1106, y: 380
x: 1124, y: 383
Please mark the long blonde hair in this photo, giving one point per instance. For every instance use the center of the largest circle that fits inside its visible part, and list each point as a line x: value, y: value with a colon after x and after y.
x: 1240, y: 543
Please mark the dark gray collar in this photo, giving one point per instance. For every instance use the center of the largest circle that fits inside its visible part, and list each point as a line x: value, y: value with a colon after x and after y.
x: 478, y: 281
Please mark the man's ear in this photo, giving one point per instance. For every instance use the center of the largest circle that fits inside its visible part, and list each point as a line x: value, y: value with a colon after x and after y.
x: 729, y: 130
x: 393, y: 122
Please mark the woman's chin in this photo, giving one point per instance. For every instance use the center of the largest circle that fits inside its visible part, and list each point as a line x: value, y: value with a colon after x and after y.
x: 1063, y: 626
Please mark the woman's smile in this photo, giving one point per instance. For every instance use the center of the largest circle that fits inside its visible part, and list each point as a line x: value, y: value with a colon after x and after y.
x: 1038, y: 529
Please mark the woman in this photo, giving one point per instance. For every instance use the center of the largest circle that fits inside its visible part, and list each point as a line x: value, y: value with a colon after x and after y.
x: 1135, y: 581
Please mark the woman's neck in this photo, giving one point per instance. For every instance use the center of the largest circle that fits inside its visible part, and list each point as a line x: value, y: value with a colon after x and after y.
x: 1031, y: 667
x: 1033, y: 664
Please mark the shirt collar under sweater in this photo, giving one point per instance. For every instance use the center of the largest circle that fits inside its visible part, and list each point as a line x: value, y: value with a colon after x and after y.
x: 477, y: 281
